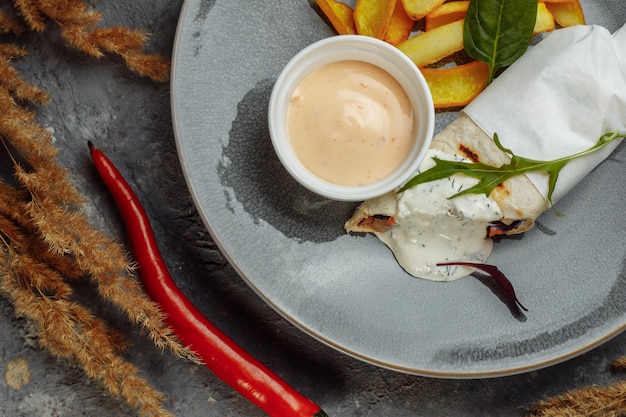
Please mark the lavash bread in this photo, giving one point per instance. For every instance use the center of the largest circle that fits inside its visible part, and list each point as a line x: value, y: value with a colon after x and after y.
x: 383, y: 206
x: 520, y: 201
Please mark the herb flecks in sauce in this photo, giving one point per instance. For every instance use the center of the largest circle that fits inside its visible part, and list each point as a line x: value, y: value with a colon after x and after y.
x: 429, y: 227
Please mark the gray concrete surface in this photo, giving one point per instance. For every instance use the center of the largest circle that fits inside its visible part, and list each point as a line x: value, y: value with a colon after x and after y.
x: 130, y: 118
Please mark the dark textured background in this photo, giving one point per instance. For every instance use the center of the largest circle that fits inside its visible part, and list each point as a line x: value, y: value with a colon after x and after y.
x: 130, y: 119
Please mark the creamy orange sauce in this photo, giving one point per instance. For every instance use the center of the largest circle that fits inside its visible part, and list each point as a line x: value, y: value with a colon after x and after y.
x: 350, y: 123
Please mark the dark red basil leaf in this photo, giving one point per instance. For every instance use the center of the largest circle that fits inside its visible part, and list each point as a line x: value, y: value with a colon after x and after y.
x: 494, y: 273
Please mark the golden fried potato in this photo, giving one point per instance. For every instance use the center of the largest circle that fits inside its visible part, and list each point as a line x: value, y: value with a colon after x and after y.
x: 400, y: 26
x: 446, y: 13
x: 569, y: 13
x: 429, y: 47
x: 372, y: 17
x: 417, y: 9
x: 456, y: 86
x: 339, y: 14
x: 545, y: 20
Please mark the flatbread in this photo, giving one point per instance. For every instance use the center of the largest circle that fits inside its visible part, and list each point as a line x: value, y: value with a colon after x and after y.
x: 520, y: 201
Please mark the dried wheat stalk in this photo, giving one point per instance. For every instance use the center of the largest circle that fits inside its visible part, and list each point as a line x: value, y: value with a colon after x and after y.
x: 78, y: 23
x: 46, y: 242
x: 592, y: 401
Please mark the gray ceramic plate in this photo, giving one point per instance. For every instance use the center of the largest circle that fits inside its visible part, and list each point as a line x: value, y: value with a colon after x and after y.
x: 348, y: 291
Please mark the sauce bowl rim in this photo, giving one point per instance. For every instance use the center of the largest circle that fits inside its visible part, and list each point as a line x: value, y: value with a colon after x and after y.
x: 352, y: 48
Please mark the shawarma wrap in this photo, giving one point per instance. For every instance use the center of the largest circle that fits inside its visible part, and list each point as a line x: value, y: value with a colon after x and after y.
x: 519, y: 200
x: 555, y: 101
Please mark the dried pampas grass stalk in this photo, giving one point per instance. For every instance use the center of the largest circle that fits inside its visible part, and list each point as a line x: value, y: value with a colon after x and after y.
x: 78, y: 25
x: 29, y: 11
x: 69, y: 330
x: 619, y: 365
x: 79, y: 28
x: 10, y: 80
x: 9, y: 24
x: 592, y: 401
x: 47, y: 244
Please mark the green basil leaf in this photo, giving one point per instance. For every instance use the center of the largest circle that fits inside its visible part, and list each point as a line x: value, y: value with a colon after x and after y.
x: 498, y: 32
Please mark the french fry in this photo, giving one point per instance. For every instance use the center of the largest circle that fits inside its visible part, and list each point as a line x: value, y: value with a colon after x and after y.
x: 455, y: 10
x: 429, y: 47
x: 545, y: 19
x: 372, y: 17
x: 393, y: 21
x: 446, y: 13
x: 417, y: 9
x: 567, y: 13
x: 339, y: 14
x: 456, y: 86
x: 400, y: 26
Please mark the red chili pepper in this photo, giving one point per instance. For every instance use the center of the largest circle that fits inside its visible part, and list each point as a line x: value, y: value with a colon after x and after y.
x: 220, y: 354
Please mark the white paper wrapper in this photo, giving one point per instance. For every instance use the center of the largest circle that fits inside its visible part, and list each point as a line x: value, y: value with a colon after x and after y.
x: 558, y: 99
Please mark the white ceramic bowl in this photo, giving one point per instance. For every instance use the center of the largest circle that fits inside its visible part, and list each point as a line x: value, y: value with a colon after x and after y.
x: 352, y: 48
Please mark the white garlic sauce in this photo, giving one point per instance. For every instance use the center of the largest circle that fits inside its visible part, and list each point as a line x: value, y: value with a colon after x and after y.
x: 431, y: 228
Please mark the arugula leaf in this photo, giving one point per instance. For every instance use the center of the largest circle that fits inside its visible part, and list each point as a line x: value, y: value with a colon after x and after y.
x: 491, y: 176
x: 498, y: 32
